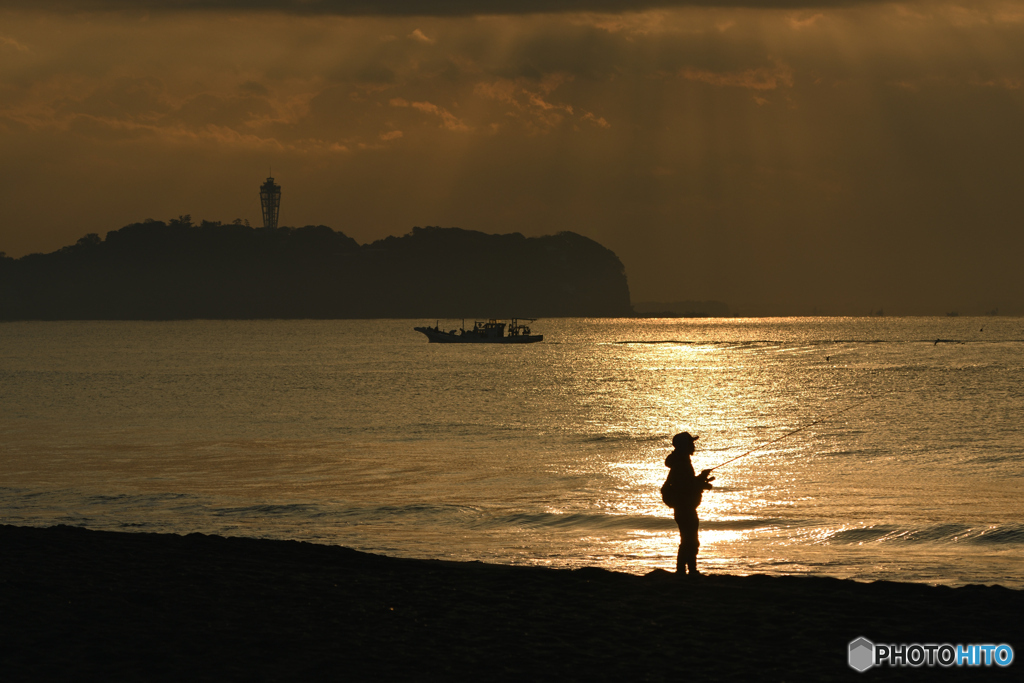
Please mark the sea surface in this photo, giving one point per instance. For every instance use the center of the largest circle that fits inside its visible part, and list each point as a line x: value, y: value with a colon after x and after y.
x: 887, y: 448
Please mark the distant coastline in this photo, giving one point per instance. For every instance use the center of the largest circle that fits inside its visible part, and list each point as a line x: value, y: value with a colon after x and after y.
x: 175, y: 270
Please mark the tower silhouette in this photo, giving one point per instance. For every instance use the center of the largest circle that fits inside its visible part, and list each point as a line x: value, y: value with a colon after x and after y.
x: 270, y: 199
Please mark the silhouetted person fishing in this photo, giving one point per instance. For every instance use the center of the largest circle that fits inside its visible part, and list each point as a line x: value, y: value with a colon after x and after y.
x: 684, y: 488
x: 682, y: 491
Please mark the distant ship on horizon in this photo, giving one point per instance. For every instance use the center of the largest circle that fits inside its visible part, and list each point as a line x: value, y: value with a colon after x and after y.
x: 490, y: 332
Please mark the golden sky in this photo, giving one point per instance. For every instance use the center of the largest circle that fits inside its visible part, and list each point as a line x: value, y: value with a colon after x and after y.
x: 792, y: 157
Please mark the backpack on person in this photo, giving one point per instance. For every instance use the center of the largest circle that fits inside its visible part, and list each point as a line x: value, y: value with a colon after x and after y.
x: 676, y: 494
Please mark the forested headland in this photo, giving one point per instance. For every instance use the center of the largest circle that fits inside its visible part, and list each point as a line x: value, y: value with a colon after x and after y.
x: 157, y: 270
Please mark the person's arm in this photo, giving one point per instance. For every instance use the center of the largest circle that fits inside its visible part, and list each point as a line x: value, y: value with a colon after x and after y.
x: 705, y: 480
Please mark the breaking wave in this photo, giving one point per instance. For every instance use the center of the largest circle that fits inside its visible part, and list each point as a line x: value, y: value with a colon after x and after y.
x: 992, y: 535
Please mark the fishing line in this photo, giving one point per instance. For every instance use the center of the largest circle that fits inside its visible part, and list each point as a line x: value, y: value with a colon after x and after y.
x: 806, y: 426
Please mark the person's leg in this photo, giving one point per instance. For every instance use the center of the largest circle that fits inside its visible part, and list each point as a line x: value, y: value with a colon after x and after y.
x: 691, y: 542
x: 682, y: 556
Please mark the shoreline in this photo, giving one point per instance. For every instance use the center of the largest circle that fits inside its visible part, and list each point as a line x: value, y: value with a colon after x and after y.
x: 78, y: 603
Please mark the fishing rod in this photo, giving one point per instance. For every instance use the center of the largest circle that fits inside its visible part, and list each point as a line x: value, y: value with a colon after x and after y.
x: 806, y: 426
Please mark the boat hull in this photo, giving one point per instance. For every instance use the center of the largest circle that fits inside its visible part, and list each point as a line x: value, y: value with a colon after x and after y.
x: 469, y: 337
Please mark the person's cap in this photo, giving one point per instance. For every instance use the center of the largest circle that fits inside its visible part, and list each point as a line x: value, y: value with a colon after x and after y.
x: 683, y: 438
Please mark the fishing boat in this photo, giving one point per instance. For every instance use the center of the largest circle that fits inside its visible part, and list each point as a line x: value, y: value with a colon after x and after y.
x: 490, y: 332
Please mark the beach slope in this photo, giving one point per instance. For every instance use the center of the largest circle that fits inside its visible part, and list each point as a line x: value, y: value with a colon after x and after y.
x: 90, y: 605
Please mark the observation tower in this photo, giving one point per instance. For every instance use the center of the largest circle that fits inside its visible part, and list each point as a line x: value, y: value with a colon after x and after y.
x: 270, y: 199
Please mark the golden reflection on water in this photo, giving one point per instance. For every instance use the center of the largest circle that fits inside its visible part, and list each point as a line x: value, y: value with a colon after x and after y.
x: 743, y: 392
x: 708, y: 409
x: 358, y: 434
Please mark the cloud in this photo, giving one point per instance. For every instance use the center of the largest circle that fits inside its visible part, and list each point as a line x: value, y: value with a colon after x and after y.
x: 418, y: 35
x: 802, y: 22
x: 528, y: 100
x: 598, y: 121
x: 436, y: 8
x: 1004, y: 83
x: 13, y: 44
x: 448, y: 120
x: 762, y: 78
x: 254, y: 88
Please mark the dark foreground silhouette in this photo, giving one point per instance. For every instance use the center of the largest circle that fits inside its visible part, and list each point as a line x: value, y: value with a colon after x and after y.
x: 88, y: 605
x: 178, y: 270
x: 683, y: 491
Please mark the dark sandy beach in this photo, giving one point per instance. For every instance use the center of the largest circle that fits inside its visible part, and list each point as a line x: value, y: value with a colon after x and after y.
x: 89, y: 605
